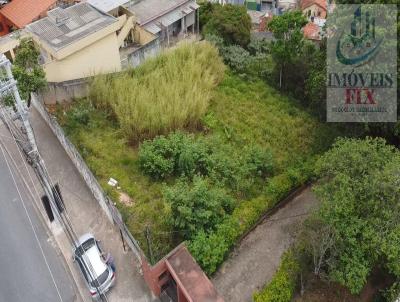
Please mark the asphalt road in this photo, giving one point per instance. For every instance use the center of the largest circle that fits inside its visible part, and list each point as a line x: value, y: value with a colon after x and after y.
x: 30, y: 267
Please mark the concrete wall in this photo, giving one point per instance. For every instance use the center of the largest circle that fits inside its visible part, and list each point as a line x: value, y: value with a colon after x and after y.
x: 142, y: 36
x: 101, y: 197
x: 99, y: 57
x: 65, y: 91
x: 140, y: 55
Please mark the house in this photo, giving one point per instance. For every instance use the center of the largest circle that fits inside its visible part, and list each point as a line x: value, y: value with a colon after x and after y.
x: 258, y: 19
x: 314, y: 8
x: 177, y: 277
x: 169, y: 20
x: 314, y: 30
x: 77, y: 42
x: 108, y: 6
x: 19, y: 13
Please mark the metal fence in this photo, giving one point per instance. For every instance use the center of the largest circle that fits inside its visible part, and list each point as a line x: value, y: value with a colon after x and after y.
x: 101, y: 197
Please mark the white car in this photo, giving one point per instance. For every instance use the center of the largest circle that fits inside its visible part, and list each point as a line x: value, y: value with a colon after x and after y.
x: 98, y: 275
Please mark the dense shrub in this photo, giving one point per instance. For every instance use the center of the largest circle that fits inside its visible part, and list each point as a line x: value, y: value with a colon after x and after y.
x: 282, y: 286
x: 78, y: 116
x: 181, y: 154
x: 156, y: 158
x: 166, y: 93
x: 231, y: 22
x: 259, y: 161
x: 236, y: 58
x: 392, y: 294
x: 203, y: 246
x: 197, y: 206
x: 177, y: 154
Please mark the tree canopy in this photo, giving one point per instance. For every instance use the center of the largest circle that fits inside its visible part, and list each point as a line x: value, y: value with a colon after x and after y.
x: 360, y: 196
x: 27, y: 71
x: 289, y: 39
x: 230, y: 22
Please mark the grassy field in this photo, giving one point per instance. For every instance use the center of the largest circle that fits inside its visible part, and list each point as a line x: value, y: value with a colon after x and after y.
x: 240, y: 114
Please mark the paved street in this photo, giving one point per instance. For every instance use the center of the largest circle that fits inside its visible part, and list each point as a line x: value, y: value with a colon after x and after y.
x: 31, y: 267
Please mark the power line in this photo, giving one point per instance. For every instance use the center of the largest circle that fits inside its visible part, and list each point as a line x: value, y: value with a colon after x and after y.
x: 24, y: 137
x: 31, y: 224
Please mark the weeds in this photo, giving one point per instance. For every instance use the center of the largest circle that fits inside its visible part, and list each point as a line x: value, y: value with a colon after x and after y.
x: 169, y: 92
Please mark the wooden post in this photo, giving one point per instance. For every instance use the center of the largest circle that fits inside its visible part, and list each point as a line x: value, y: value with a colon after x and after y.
x: 123, y: 241
x: 148, y: 239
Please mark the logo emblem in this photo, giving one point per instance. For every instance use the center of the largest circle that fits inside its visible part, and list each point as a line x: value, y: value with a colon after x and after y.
x: 360, y: 46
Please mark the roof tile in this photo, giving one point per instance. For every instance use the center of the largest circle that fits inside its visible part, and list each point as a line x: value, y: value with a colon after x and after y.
x: 23, y: 12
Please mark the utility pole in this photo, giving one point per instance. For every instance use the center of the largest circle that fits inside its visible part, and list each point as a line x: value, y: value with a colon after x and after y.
x: 16, y: 120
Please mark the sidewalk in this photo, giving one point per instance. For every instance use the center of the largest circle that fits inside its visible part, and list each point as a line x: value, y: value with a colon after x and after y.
x: 87, y: 216
x: 254, y: 262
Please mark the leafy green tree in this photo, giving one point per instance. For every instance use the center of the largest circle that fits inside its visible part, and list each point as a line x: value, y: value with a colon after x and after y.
x: 289, y: 40
x: 360, y: 196
x: 230, y: 22
x: 205, y: 12
x: 198, y: 206
x: 27, y: 71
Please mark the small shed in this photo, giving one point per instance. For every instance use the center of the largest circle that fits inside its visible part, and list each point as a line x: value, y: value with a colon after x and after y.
x: 178, y: 278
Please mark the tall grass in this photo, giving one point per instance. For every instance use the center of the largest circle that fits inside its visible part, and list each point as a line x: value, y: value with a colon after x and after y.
x: 169, y: 92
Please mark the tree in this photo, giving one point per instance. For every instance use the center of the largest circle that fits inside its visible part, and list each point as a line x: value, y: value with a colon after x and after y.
x: 27, y: 71
x: 230, y: 22
x: 315, y: 85
x: 289, y: 39
x: 197, y: 207
x: 360, y: 194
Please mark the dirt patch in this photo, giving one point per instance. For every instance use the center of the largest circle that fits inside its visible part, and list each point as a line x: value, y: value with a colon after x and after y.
x: 125, y: 199
x: 254, y: 262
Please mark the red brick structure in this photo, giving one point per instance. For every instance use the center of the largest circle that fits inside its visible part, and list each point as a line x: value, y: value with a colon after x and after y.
x: 18, y: 13
x: 179, y: 276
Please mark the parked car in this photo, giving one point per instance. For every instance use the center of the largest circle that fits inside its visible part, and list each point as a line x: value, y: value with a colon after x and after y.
x: 98, y: 274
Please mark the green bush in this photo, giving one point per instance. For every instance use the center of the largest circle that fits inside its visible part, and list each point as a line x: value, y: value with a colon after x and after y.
x: 197, y: 206
x: 392, y: 293
x: 259, y: 162
x: 156, y: 158
x: 177, y: 154
x: 78, y: 116
x: 231, y: 22
x: 282, y: 286
x: 203, y: 246
x: 236, y: 58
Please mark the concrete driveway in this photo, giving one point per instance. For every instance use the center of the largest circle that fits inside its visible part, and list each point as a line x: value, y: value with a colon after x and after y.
x: 254, y: 261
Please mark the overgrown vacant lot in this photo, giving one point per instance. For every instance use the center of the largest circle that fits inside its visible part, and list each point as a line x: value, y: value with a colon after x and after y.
x: 255, y: 146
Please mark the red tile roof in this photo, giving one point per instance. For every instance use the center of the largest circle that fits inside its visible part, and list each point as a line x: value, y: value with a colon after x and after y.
x: 311, y: 31
x: 23, y: 12
x: 307, y: 3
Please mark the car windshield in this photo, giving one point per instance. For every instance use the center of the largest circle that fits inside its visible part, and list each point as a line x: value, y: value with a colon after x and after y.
x: 84, y: 247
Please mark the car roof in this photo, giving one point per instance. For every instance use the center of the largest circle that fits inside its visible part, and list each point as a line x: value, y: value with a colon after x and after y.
x: 92, y: 255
